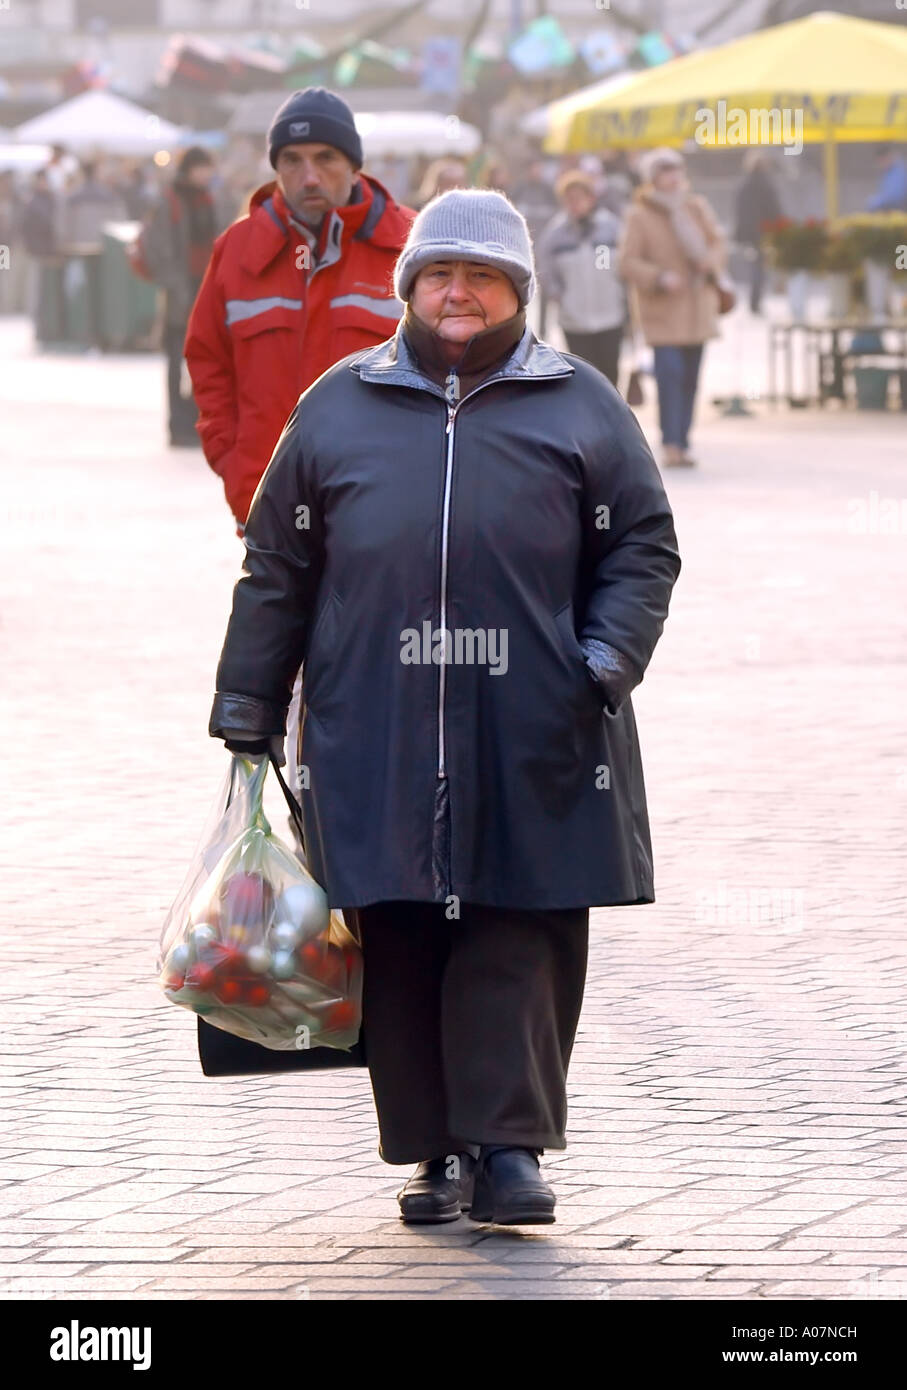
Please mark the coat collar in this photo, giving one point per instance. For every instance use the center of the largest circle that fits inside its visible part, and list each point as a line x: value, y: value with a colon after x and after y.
x: 374, y: 215
x: 392, y: 363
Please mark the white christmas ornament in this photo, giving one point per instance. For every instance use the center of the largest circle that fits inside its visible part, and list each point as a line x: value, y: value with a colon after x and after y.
x: 306, y: 906
x: 283, y: 965
x: 259, y: 959
x: 203, y: 935
x: 284, y: 936
x: 180, y: 958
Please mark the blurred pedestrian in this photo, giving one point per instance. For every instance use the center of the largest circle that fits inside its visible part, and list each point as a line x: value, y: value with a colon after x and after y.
x: 40, y: 236
x: 138, y: 190
x: 756, y: 203
x: 13, y: 251
x: 536, y: 199
x: 86, y: 209
x: 176, y: 244
x: 891, y: 190
x: 578, y: 265
x: 455, y: 814
x: 619, y: 182
x: 440, y: 176
x: 493, y: 172
x: 672, y: 251
x: 61, y: 169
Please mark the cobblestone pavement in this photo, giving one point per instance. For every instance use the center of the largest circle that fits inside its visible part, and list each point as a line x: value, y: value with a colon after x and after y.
x: 738, y: 1102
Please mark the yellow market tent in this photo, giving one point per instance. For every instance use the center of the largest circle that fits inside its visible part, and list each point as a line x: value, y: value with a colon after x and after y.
x: 825, y: 78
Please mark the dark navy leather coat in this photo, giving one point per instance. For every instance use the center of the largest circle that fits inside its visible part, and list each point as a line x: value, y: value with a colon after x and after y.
x: 519, y: 518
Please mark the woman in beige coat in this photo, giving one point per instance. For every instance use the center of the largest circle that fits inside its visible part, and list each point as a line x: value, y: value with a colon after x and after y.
x: 671, y: 252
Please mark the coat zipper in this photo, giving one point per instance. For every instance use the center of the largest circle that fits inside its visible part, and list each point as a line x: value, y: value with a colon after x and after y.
x: 452, y: 393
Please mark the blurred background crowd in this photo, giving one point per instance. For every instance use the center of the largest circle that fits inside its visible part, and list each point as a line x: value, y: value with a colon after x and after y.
x: 116, y: 114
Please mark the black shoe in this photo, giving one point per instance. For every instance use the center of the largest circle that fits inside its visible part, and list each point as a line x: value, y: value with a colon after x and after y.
x: 432, y: 1195
x: 509, y: 1190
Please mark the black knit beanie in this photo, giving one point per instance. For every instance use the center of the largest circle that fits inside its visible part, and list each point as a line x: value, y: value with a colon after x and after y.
x: 315, y: 115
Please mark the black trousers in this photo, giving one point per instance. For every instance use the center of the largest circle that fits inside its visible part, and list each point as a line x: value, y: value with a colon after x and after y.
x: 183, y: 410
x: 469, y: 1024
x: 601, y: 349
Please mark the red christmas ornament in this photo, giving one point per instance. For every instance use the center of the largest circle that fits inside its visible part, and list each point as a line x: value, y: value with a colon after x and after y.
x: 311, y: 955
x: 340, y: 1015
x: 228, y: 991
x: 246, y: 899
x: 200, y: 977
x: 226, y: 960
x: 255, y: 992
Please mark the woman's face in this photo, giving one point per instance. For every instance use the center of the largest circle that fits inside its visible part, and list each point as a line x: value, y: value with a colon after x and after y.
x: 669, y: 180
x: 459, y: 298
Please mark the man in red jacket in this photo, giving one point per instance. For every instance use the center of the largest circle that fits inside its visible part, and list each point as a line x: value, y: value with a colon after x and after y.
x: 301, y: 281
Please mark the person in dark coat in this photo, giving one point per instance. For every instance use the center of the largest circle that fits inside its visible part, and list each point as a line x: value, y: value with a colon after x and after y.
x: 176, y: 244
x: 464, y: 536
x: 40, y: 236
x: 757, y: 202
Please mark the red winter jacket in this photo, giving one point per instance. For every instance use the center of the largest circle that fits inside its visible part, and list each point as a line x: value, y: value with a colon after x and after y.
x: 264, y: 326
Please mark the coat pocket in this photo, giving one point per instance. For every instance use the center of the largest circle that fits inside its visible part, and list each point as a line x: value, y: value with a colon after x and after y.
x: 322, y: 663
x: 361, y: 321
x: 586, y: 702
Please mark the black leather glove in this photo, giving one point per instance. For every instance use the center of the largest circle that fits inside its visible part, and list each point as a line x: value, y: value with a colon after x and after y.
x: 256, y: 749
x: 613, y: 674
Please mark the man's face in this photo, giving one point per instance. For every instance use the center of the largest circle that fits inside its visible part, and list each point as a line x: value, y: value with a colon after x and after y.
x: 314, y: 178
x: 460, y: 298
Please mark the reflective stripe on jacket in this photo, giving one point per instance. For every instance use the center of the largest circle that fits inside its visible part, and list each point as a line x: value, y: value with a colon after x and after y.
x: 274, y: 312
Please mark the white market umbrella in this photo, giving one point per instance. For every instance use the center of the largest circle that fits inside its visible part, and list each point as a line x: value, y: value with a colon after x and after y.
x: 101, y: 121
x: 23, y: 158
x: 538, y: 122
x: 389, y: 133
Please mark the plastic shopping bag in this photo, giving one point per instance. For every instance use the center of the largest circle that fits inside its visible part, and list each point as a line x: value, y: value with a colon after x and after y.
x: 250, y: 943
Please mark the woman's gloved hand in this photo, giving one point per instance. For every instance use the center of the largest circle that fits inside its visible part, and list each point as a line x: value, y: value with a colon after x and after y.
x: 256, y: 749
x: 613, y: 674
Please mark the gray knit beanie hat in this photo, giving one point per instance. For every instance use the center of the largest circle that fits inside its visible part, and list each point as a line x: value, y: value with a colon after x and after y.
x: 469, y: 224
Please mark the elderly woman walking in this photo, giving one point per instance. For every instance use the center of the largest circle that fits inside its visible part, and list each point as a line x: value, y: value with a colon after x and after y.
x: 672, y: 254
x: 463, y: 534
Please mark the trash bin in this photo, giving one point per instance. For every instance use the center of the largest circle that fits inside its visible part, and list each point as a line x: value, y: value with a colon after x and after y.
x: 48, y: 304
x: 128, y: 304
x: 80, y: 308
x: 870, y: 377
x: 872, y: 387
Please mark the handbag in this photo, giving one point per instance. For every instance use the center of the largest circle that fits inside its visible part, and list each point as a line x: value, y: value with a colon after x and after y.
x: 727, y: 295
x: 635, y: 396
